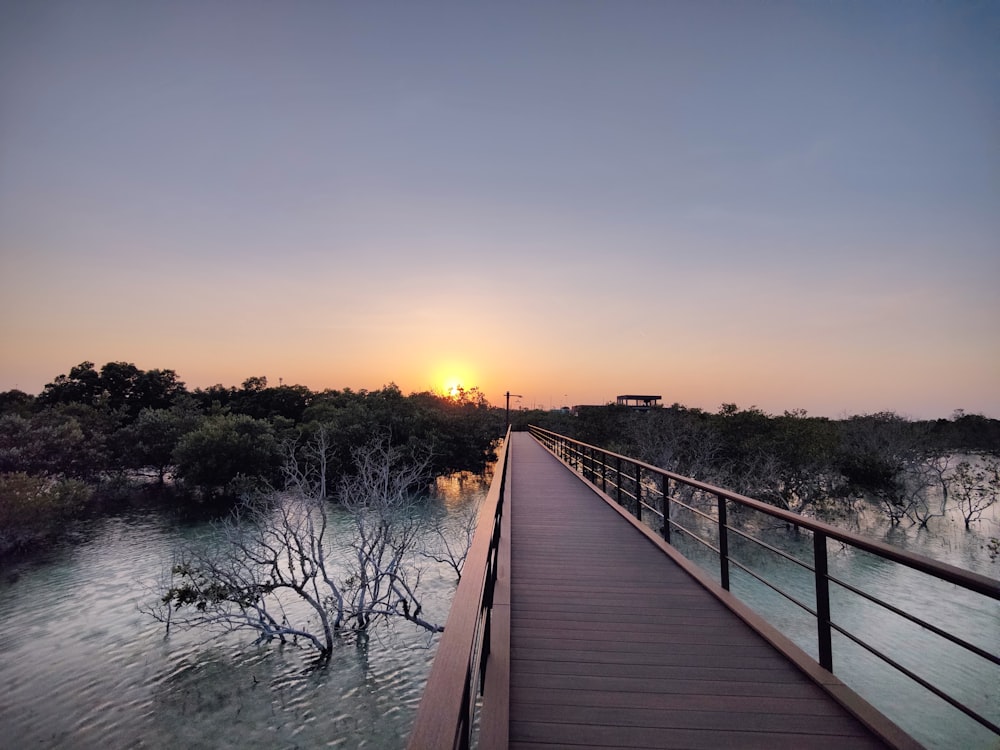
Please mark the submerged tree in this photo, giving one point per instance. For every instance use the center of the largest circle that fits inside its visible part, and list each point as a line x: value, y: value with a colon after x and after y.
x: 976, y: 488
x: 380, y: 498
x: 929, y: 474
x: 273, y: 570
x: 270, y: 557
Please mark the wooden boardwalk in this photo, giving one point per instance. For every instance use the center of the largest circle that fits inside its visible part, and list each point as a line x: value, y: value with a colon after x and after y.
x: 613, y: 644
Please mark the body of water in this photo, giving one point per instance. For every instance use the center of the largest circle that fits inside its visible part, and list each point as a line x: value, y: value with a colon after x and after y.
x: 82, y: 667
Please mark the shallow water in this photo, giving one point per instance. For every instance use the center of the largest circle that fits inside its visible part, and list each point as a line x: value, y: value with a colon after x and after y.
x: 82, y: 667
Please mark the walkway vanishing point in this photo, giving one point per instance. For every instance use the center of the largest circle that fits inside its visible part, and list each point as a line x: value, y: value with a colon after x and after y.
x: 615, y: 641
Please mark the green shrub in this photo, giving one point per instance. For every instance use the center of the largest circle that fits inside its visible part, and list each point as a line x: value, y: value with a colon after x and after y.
x: 33, y: 507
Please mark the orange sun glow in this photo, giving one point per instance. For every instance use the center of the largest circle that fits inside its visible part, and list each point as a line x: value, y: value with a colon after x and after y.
x: 452, y: 388
x: 454, y: 380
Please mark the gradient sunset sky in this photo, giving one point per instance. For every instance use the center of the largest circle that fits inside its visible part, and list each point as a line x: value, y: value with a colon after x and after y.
x: 788, y: 205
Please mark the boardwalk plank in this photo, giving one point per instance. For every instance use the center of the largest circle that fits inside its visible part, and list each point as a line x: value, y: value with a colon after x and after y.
x: 801, y: 706
x: 733, y: 659
x: 549, y: 735
x: 664, y: 718
x: 662, y: 686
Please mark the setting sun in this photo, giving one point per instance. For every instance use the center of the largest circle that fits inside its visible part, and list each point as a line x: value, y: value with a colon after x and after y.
x: 453, y: 377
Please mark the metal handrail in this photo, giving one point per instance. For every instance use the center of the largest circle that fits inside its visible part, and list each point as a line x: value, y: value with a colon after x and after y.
x: 473, y: 654
x: 608, y: 469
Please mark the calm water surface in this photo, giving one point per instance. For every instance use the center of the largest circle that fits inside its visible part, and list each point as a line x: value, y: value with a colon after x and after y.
x: 82, y: 667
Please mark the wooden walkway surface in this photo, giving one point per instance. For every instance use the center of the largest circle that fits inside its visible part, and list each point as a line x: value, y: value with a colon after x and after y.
x: 614, y: 645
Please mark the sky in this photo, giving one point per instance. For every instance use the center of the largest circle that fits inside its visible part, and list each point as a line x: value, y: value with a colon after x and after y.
x: 785, y: 205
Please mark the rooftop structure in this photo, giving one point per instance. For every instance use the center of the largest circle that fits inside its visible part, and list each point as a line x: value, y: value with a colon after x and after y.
x: 639, y: 402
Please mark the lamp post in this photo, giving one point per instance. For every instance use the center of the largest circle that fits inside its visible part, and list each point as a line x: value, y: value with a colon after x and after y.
x: 508, y: 394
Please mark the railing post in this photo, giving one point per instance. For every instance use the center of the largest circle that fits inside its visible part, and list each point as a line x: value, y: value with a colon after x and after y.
x: 723, y: 544
x: 825, y: 640
x: 604, y: 472
x: 665, y: 491
x: 638, y: 491
x: 618, y: 482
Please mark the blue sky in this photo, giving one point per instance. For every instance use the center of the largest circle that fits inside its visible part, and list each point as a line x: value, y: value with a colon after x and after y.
x: 792, y: 205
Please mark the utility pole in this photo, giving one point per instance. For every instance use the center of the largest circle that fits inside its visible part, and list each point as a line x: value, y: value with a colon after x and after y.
x: 508, y: 395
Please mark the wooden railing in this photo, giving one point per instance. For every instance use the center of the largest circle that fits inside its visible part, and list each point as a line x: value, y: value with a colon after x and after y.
x: 472, y: 663
x: 653, y: 494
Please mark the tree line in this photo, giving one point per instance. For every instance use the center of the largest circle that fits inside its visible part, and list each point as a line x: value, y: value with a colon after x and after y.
x: 94, y: 438
x: 910, y: 470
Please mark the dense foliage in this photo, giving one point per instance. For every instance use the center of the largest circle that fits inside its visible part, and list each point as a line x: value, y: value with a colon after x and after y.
x: 906, y: 469
x: 93, y: 437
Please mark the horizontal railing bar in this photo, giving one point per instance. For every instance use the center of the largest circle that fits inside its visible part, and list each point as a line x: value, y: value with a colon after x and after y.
x: 770, y: 585
x: 703, y: 542
x: 652, y: 510
x: 974, y: 581
x: 919, y: 680
x: 775, y: 550
x: 696, y: 511
x: 916, y: 620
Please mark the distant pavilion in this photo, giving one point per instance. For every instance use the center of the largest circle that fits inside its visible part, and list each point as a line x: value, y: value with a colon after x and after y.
x: 639, y: 402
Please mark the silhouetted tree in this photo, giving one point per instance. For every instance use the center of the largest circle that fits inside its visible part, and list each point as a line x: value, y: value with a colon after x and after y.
x: 81, y: 386
x: 16, y: 402
x: 157, y: 389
